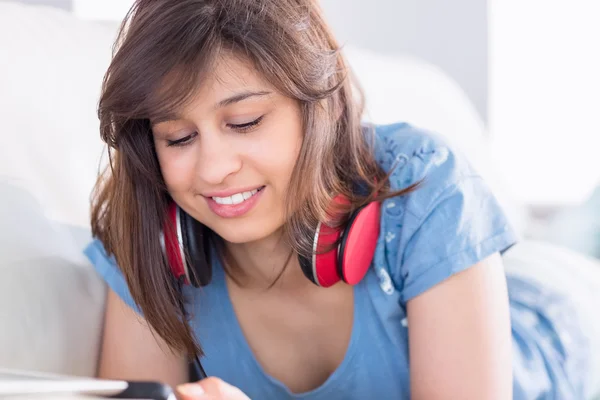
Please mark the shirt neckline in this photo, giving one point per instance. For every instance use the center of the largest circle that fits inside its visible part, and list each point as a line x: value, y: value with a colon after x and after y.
x: 333, y: 381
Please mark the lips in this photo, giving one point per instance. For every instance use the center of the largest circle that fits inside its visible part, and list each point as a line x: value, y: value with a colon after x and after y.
x: 231, y: 205
x: 236, y: 198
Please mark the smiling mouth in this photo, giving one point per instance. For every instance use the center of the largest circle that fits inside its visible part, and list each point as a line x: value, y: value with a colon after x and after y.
x: 237, y: 198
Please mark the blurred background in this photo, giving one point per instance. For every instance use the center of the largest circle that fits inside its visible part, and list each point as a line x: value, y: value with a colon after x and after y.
x: 515, y: 84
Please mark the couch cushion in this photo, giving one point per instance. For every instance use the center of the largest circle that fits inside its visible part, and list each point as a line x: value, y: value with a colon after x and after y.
x: 50, y: 79
x: 51, y: 299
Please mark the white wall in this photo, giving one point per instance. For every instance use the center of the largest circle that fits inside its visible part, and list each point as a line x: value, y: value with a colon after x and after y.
x: 64, y: 4
x: 545, y: 97
x: 451, y: 34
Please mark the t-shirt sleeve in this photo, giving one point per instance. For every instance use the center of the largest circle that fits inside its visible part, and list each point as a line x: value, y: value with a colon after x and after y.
x: 448, y: 224
x: 109, y: 271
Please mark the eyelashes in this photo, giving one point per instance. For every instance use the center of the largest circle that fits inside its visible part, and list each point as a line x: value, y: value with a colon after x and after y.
x: 241, y: 128
x: 182, y: 141
x: 247, y: 126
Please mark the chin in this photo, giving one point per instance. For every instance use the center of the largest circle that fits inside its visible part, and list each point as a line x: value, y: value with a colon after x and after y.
x: 240, y: 233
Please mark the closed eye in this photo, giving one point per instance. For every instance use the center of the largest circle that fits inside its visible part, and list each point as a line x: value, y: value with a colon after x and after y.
x: 247, y: 126
x: 238, y: 127
x: 183, y: 141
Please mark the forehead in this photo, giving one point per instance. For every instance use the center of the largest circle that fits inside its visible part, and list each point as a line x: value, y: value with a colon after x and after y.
x: 233, y: 71
x: 227, y: 76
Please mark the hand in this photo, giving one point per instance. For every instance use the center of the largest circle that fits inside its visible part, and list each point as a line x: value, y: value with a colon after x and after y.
x: 209, y: 389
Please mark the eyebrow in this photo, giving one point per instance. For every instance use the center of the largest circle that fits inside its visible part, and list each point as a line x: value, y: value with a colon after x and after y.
x: 236, y: 98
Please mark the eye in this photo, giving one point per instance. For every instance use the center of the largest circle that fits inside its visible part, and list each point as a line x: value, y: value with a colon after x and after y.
x: 183, y: 141
x: 247, y: 126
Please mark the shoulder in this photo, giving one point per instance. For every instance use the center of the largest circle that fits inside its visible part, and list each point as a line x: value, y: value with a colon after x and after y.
x: 108, y: 269
x: 417, y: 155
x: 450, y: 221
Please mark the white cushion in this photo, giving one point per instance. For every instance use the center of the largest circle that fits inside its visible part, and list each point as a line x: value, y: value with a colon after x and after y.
x: 51, y: 299
x: 50, y: 80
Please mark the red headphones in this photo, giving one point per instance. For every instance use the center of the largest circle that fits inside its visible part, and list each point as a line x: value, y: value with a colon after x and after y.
x: 349, y: 261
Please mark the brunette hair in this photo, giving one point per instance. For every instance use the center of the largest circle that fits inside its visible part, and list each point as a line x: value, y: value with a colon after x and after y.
x: 161, y: 54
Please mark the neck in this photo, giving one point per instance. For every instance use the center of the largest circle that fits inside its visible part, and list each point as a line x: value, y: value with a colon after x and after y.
x: 259, y: 264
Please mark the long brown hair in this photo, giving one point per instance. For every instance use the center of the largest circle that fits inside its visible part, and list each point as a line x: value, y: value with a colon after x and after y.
x: 161, y: 53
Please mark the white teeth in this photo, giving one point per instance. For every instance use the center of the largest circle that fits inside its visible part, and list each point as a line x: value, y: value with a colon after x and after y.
x: 236, y: 198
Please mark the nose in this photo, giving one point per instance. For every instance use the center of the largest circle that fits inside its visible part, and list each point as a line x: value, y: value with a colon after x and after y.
x: 218, y: 159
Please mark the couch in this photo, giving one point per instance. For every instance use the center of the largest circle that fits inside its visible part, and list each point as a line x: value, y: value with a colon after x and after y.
x: 51, y: 68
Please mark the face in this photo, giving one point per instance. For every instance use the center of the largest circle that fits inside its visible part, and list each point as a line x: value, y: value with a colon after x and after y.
x: 228, y: 156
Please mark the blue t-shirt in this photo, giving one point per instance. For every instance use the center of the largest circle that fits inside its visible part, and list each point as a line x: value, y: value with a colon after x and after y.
x: 448, y: 224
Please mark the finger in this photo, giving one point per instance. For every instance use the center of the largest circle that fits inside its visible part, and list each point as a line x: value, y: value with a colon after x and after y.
x: 210, y: 388
x: 220, y: 389
x: 190, y: 391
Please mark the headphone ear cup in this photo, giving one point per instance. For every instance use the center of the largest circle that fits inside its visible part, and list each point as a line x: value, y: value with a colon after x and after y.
x: 197, y: 248
x: 307, y: 268
x: 172, y: 243
x: 358, y: 243
x: 324, y: 266
x: 185, y: 243
x: 321, y: 268
x: 351, y: 259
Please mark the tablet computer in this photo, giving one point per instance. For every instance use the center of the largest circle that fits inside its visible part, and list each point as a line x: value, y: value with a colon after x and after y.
x: 15, y: 382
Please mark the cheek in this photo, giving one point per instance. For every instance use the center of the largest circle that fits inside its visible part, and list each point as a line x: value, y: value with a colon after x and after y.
x: 176, y: 168
x: 283, y: 142
x: 277, y: 153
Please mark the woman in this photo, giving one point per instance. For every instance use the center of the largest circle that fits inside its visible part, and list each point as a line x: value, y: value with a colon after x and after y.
x: 243, y: 116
